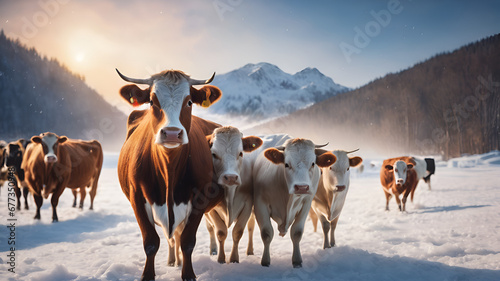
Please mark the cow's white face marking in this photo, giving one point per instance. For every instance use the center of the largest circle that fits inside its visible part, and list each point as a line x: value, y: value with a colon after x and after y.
x: 171, y: 98
x: 49, y: 140
x: 400, y: 169
x: 300, y: 166
x: 227, y: 155
x: 339, y: 173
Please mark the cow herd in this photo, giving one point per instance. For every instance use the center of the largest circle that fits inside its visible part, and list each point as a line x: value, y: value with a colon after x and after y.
x: 176, y: 168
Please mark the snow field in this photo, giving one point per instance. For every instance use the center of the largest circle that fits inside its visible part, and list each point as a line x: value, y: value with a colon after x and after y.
x: 448, y: 233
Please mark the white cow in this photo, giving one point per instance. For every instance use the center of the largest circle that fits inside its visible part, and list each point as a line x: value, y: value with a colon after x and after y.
x: 332, y: 191
x: 285, y: 180
x: 234, y: 173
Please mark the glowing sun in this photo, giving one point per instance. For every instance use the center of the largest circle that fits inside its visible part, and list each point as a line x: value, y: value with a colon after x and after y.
x: 80, y: 57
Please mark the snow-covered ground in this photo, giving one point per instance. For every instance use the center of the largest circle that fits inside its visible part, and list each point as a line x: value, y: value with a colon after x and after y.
x: 448, y: 233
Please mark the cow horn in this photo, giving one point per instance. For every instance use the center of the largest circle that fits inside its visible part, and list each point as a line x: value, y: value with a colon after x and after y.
x: 321, y: 145
x: 352, y: 151
x: 201, y: 82
x: 134, y: 80
x: 280, y: 148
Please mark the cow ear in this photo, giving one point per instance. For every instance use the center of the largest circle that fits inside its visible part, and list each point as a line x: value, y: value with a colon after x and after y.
x: 388, y: 167
x: 326, y: 159
x: 205, y: 96
x: 62, y: 139
x: 210, y: 140
x: 36, y: 139
x: 274, y: 155
x: 410, y: 166
x: 355, y: 161
x: 134, y: 95
x: 251, y: 143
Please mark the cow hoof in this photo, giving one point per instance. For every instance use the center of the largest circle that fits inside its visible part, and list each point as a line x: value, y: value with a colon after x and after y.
x: 221, y: 261
x: 297, y: 265
x: 74, y: 206
x: 266, y: 264
x: 91, y: 208
x: 26, y: 207
x: 171, y: 264
x: 147, y: 278
x: 235, y: 261
x: 249, y: 253
x: 213, y: 253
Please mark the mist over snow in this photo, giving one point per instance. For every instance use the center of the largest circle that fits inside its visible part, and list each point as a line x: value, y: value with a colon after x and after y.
x: 258, y: 92
x: 448, y: 233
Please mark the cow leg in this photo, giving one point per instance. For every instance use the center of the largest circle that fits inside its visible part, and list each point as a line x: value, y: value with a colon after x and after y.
x: 55, y: 200
x: 405, y: 196
x: 74, y: 196
x: 171, y: 252
x: 238, y: 229
x: 188, y: 241
x: 18, y: 195
x: 150, y: 238
x: 250, y: 228
x: 39, y: 202
x: 221, y: 232
x: 387, y: 199
x: 396, y: 196
x: 26, y: 191
x: 332, y: 231
x: 314, y: 219
x: 266, y: 231
x: 325, y: 224
x: 296, y: 235
x: 211, y: 232
x: 83, y: 193
x: 93, y: 190
x: 178, y: 258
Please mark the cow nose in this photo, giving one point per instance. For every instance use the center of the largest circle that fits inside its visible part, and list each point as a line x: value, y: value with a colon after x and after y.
x: 301, y: 189
x: 230, y: 179
x: 171, y: 134
x: 340, y: 187
x: 399, y: 182
x: 51, y: 159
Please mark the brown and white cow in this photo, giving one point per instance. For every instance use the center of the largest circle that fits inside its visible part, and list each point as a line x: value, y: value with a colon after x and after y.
x: 52, y: 163
x: 233, y: 171
x: 398, y: 177
x: 285, y: 180
x: 332, y: 191
x: 13, y: 157
x: 165, y: 166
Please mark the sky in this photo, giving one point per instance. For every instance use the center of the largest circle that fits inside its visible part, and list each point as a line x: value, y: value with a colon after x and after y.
x: 353, y: 42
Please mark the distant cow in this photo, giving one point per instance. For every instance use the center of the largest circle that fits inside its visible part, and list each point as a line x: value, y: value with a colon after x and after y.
x: 13, y: 154
x: 3, y: 169
x: 53, y: 163
x: 233, y: 171
x: 332, y: 191
x: 425, y: 168
x: 165, y: 166
x: 398, y: 177
x: 285, y: 182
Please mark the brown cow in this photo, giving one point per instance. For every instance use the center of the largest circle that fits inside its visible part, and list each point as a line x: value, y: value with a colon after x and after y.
x: 165, y: 165
x: 398, y: 177
x: 53, y: 163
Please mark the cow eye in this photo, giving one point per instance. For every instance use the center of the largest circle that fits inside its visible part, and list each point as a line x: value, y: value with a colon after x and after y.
x: 396, y: 170
x: 348, y: 168
x: 214, y: 155
x: 189, y: 103
x: 287, y: 166
x: 241, y: 154
x: 312, y: 164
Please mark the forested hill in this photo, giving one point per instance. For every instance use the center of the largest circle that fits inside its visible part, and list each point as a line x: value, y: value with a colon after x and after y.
x: 38, y: 94
x: 448, y: 105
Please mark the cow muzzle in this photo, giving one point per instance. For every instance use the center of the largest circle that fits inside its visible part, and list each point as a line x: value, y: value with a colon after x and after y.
x: 170, y: 137
x: 400, y: 182
x: 340, y: 188
x: 229, y: 179
x: 50, y: 159
x: 301, y: 189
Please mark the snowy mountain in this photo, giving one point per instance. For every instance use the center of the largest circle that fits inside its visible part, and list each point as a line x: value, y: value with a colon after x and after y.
x: 261, y: 91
